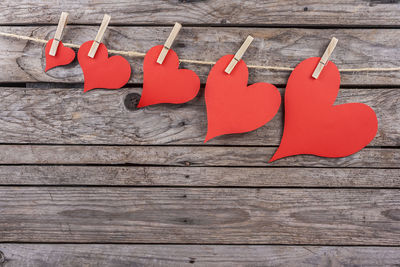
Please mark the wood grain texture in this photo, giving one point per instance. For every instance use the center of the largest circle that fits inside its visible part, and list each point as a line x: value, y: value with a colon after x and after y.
x: 139, y: 188
x: 68, y: 116
x: 199, y: 176
x: 17, y: 255
x: 188, y: 156
x: 212, y: 216
x: 287, y: 47
x: 287, y: 12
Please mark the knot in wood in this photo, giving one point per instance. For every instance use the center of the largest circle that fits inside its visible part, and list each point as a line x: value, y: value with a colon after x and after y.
x: 2, y: 257
x: 131, y: 101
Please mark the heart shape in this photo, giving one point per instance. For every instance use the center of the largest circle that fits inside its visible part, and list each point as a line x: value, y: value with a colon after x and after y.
x: 165, y: 83
x: 313, y: 125
x: 234, y: 107
x: 64, y: 55
x: 103, y: 71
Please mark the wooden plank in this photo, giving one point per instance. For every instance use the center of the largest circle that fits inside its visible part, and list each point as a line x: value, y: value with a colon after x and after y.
x: 287, y: 12
x: 202, y: 255
x: 188, y: 156
x: 23, y: 61
x: 199, y: 176
x: 67, y: 116
x: 206, y: 215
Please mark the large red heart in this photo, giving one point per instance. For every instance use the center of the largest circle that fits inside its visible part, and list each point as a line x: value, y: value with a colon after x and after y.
x: 165, y: 83
x: 234, y: 107
x: 313, y: 125
x: 103, y: 71
x: 64, y: 55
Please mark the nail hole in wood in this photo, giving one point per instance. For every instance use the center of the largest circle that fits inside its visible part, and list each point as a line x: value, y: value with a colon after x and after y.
x: 188, y: 221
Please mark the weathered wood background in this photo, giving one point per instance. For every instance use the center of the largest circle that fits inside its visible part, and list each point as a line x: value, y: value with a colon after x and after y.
x: 89, y: 180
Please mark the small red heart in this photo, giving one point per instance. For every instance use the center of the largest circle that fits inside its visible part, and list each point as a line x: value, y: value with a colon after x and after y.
x: 313, y: 125
x: 64, y: 55
x: 234, y: 107
x: 165, y: 83
x: 103, y: 71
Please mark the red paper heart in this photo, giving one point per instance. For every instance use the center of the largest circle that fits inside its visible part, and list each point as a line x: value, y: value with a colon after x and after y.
x: 64, y: 55
x: 234, y: 107
x: 103, y: 71
x: 165, y: 83
x: 313, y: 125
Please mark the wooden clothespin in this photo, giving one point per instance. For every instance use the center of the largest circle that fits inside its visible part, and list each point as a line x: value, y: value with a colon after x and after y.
x: 168, y: 43
x: 57, y: 37
x: 325, y: 57
x: 99, y: 36
x: 239, y: 54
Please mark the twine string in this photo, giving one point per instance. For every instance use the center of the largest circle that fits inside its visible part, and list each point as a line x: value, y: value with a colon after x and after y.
x: 201, y: 62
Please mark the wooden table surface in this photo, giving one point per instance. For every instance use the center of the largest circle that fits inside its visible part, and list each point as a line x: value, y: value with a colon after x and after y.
x: 87, y: 179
